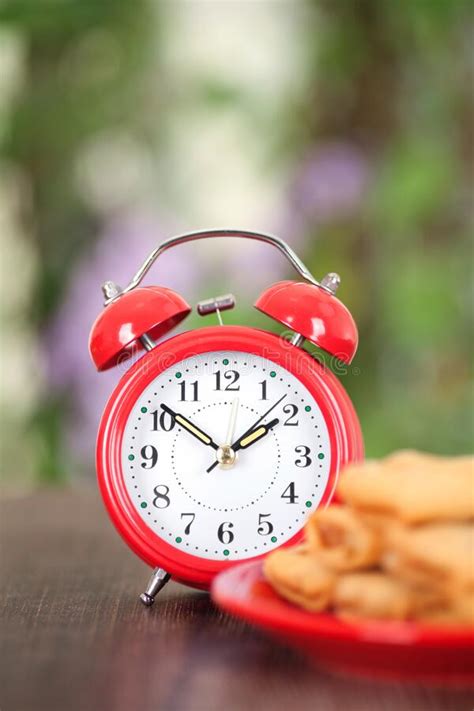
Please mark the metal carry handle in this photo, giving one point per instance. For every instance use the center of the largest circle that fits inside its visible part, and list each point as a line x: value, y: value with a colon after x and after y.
x: 112, y: 291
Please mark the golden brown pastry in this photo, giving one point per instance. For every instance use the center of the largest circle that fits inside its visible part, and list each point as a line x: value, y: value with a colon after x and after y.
x: 412, y: 486
x: 341, y: 539
x: 372, y: 595
x: 458, y: 611
x: 401, y: 548
x: 298, y: 576
x: 437, y: 554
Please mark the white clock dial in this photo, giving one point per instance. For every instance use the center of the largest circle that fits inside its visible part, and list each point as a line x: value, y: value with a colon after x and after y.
x: 262, y: 496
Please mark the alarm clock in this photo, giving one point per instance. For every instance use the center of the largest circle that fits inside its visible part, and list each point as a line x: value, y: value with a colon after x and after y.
x: 218, y: 443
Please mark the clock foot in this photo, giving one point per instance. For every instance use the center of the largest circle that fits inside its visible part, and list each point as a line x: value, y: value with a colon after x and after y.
x: 157, y: 581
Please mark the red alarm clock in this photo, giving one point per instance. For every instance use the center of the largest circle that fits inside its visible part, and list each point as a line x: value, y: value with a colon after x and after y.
x: 218, y: 443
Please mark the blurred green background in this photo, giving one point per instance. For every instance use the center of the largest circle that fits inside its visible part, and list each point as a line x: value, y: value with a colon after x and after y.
x: 345, y: 127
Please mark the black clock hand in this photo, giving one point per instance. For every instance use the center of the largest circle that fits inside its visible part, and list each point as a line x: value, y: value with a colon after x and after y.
x: 255, y: 435
x: 250, y: 429
x: 190, y: 427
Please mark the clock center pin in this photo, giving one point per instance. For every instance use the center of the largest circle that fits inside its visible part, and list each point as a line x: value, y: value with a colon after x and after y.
x: 226, y: 456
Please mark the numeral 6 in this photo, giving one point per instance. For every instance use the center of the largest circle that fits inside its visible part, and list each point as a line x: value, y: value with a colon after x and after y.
x: 225, y: 535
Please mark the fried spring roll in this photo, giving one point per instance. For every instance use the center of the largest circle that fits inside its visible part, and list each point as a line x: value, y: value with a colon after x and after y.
x: 459, y: 611
x: 342, y: 540
x: 412, y: 486
x: 298, y: 577
x: 371, y: 595
x: 440, y: 555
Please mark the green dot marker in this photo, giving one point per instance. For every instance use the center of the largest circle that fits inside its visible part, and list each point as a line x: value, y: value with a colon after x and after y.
x: 273, y: 539
x: 226, y: 361
x: 131, y: 457
x: 309, y: 504
x: 178, y: 375
x: 144, y: 504
x: 226, y: 552
x: 178, y: 539
x: 144, y: 409
x: 308, y: 408
x: 272, y: 374
x: 320, y: 455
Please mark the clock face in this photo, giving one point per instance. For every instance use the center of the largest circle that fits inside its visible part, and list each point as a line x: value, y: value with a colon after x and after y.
x: 204, y: 497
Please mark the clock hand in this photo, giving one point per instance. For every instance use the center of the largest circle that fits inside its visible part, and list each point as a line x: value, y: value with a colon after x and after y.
x: 255, y: 435
x: 232, y: 421
x: 250, y: 429
x: 190, y: 427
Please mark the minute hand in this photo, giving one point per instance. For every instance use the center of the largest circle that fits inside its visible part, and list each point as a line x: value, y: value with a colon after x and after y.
x: 251, y: 429
x: 254, y: 435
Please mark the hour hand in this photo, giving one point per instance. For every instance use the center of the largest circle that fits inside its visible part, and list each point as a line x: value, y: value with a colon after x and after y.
x: 254, y: 435
x: 190, y: 427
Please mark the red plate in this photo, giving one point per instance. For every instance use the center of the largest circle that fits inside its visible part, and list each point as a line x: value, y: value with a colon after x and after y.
x: 391, y: 650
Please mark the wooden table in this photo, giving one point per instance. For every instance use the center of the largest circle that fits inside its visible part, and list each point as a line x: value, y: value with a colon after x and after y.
x: 75, y: 637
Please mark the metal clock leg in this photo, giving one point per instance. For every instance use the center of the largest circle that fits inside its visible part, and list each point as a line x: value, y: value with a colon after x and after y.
x: 157, y: 581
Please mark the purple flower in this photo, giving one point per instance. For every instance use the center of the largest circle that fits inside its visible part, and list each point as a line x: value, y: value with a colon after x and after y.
x: 330, y: 184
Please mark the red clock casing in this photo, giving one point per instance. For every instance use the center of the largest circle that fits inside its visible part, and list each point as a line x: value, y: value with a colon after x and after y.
x: 341, y: 420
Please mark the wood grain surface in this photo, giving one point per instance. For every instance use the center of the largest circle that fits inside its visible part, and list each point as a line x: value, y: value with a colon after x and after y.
x: 75, y: 637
